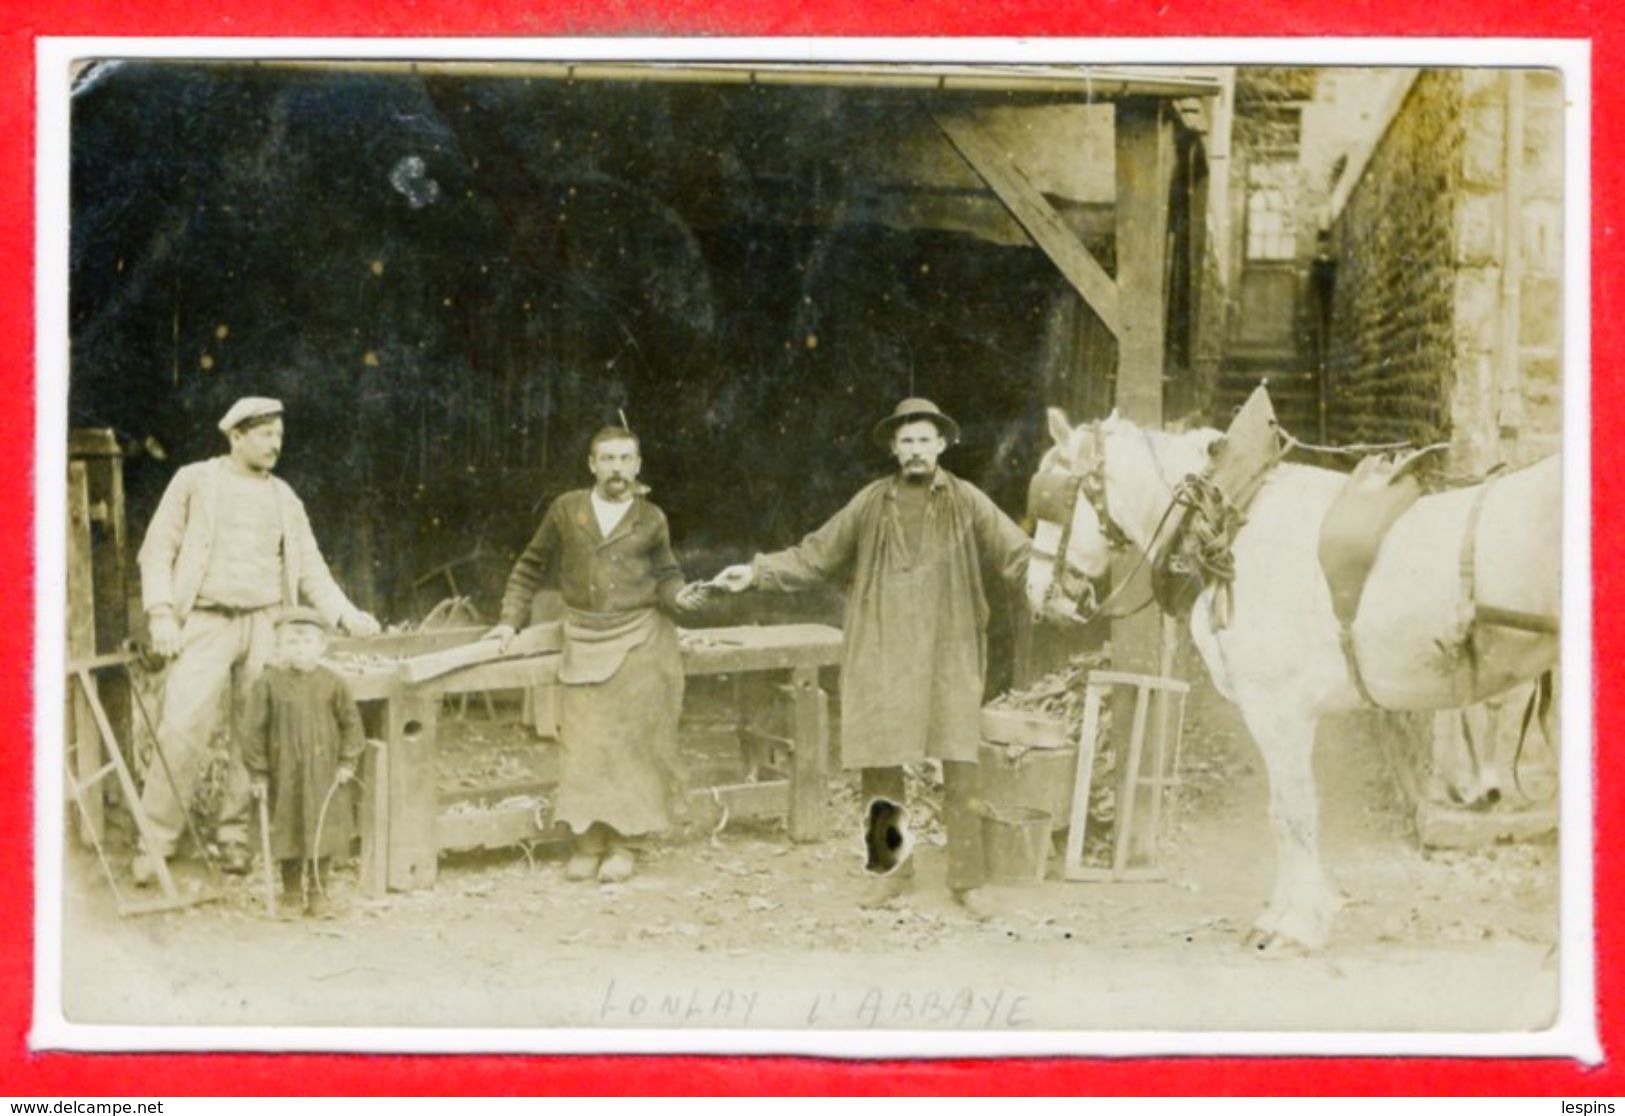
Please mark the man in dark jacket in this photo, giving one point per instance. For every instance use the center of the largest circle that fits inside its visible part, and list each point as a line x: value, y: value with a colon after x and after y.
x: 608, y: 549
x: 910, y: 550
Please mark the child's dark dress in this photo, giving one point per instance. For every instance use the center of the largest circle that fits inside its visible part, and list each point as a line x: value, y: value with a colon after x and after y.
x: 298, y: 728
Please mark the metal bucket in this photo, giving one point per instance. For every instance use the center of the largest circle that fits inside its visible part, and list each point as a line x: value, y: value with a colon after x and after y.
x: 1016, y: 844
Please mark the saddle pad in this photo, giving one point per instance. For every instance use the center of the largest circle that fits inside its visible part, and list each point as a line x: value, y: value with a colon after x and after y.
x: 1376, y: 494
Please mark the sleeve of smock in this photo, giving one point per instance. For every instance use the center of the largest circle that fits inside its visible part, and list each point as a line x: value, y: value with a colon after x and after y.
x: 352, y: 741
x: 1004, y: 546
x: 823, y: 556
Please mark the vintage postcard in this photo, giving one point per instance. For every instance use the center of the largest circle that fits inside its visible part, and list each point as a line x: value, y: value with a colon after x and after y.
x: 847, y: 547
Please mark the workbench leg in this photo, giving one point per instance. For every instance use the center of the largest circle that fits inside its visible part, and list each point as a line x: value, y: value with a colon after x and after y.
x: 544, y: 706
x: 412, y: 726
x: 375, y: 820
x: 809, y: 762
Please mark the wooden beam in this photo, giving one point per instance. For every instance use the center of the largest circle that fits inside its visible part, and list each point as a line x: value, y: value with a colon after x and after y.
x: 988, y: 158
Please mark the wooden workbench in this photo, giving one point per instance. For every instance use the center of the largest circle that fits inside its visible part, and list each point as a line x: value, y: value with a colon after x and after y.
x: 401, y: 822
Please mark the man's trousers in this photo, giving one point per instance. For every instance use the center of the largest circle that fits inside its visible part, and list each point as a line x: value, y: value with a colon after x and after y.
x: 221, y: 655
x: 961, y: 815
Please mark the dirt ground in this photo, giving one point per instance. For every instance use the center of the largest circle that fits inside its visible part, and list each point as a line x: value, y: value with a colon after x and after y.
x: 743, y: 928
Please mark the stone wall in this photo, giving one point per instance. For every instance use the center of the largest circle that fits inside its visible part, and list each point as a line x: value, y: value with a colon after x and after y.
x: 1393, y: 335
x: 1446, y: 314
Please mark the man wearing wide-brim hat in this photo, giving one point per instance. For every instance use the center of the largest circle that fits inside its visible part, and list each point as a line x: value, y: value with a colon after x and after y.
x: 910, y: 550
x: 229, y: 546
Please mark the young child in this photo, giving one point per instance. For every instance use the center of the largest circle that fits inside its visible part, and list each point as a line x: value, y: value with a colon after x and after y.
x: 302, y: 737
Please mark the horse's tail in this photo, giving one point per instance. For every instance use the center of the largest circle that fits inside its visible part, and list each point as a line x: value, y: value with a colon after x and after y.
x: 1539, y: 705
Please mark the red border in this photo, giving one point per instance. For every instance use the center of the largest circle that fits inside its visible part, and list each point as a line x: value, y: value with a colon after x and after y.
x: 22, y: 1073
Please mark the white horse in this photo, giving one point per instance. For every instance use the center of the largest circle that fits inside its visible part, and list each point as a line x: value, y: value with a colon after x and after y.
x: 1279, y: 658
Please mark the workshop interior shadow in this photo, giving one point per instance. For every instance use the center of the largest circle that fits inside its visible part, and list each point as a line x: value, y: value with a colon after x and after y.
x: 453, y: 281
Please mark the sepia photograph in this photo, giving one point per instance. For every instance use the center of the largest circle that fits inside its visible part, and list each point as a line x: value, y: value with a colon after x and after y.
x: 568, y: 547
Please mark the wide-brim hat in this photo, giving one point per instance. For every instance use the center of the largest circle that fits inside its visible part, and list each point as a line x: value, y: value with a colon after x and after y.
x: 249, y: 407
x: 303, y: 615
x: 909, y: 410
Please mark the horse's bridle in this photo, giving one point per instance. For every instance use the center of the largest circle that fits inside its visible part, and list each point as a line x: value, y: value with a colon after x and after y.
x: 1059, y: 493
x: 1091, y: 483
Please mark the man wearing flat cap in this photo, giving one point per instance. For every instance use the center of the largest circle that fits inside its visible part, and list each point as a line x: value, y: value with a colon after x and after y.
x: 910, y: 550
x: 229, y: 546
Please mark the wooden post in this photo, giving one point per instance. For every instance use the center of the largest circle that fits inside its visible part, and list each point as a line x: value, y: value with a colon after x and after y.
x: 809, y: 770
x: 411, y: 725
x: 1145, y: 167
x: 85, y: 745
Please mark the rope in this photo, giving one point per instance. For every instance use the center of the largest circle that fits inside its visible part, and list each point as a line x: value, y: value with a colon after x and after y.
x: 1211, y: 529
x: 1358, y: 449
x: 314, y: 860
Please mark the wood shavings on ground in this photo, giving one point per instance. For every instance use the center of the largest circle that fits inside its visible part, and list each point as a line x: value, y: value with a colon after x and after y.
x: 1060, y: 693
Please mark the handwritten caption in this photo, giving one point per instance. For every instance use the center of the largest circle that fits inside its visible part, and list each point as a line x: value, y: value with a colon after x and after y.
x: 963, y: 1008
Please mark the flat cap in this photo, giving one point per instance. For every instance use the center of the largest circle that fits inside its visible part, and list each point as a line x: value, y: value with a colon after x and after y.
x: 302, y: 615
x: 249, y: 407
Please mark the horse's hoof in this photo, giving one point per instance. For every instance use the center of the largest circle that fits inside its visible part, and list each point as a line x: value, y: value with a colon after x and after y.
x: 1479, y: 803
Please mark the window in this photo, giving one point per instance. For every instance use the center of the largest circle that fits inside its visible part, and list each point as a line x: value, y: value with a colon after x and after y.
x: 1271, y: 197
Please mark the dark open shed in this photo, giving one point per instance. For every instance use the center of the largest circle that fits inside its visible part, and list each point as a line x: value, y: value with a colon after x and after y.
x: 452, y: 274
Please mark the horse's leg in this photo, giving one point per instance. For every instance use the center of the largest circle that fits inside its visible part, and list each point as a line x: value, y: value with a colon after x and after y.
x: 1304, y: 903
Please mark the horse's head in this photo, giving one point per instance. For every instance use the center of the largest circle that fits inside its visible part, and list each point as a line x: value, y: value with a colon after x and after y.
x: 1071, y: 547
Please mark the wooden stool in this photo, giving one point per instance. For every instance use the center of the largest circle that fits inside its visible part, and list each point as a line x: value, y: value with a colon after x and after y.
x: 1132, y: 778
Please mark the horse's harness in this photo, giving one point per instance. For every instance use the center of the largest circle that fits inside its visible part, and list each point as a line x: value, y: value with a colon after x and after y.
x: 1053, y: 497
x: 1197, y: 553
